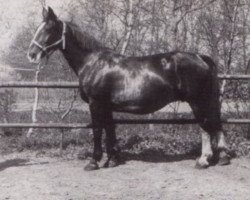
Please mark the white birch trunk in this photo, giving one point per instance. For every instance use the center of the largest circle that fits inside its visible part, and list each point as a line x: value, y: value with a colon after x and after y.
x: 35, y: 105
x: 129, y: 27
x: 248, y: 127
x: 248, y: 116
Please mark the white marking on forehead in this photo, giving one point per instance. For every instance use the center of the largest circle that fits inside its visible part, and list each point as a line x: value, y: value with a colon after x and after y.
x: 39, y: 29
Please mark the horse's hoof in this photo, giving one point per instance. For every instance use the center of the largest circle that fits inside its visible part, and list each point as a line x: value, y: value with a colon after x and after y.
x: 201, y: 164
x: 91, y: 166
x: 111, y: 163
x: 225, y: 160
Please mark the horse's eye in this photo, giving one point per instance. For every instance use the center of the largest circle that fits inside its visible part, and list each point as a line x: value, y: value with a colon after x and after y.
x: 50, y: 25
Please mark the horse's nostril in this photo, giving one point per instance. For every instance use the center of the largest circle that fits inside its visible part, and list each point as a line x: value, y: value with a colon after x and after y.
x: 32, y: 55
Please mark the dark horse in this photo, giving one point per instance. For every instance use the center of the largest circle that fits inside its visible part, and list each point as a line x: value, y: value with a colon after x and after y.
x: 140, y: 85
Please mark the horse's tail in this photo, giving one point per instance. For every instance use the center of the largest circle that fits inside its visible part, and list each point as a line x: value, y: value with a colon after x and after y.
x: 213, y: 75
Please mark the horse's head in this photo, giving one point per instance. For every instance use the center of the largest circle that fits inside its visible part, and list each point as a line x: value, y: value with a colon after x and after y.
x: 49, y: 36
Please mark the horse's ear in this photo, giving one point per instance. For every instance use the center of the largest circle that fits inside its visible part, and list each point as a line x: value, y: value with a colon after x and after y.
x: 48, y: 14
x: 45, y: 13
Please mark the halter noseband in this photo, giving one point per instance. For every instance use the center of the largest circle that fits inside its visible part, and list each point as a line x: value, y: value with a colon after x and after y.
x: 62, y: 40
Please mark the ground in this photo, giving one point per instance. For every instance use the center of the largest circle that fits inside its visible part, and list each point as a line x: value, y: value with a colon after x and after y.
x: 29, y: 176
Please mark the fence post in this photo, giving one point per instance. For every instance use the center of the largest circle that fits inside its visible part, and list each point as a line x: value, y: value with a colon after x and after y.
x: 248, y: 132
x: 248, y: 126
x: 151, y: 126
x: 61, y: 143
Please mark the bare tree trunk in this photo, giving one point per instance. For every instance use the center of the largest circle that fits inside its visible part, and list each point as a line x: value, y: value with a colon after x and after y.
x: 64, y: 115
x: 6, y: 120
x: 248, y: 126
x: 231, y: 43
x: 153, y: 24
x: 35, y: 105
x: 128, y: 27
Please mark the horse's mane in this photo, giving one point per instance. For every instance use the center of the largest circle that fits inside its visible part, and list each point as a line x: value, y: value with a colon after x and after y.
x: 83, y: 39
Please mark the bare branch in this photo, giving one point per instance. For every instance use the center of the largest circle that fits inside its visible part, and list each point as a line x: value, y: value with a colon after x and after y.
x: 70, y: 106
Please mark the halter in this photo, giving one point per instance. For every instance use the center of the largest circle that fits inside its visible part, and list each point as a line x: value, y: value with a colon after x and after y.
x: 62, y: 40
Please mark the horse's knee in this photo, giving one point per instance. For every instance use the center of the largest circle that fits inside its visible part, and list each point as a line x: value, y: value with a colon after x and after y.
x: 208, y: 118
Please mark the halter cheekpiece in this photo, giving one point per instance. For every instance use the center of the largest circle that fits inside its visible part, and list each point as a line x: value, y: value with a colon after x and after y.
x: 62, y: 40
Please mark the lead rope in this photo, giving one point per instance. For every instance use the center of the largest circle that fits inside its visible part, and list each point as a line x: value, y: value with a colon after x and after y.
x: 63, y: 36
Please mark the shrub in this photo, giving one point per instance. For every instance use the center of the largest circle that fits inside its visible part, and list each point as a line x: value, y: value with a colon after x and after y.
x: 7, y: 100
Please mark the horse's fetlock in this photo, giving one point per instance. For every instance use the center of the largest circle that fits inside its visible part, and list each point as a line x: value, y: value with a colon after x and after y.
x: 97, y: 155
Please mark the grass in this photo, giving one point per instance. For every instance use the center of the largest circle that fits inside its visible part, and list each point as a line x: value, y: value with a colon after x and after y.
x: 136, y: 141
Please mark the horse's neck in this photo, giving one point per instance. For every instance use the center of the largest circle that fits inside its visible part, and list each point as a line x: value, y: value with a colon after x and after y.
x: 75, y: 56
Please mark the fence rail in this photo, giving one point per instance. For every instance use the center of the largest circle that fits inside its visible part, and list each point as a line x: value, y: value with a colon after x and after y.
x: 117, y: 121
x: 15, y: 84
x: 234, y: 77
x: 52, y: 85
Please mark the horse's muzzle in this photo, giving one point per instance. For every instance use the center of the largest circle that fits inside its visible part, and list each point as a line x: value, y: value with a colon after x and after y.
x: 33, y: 57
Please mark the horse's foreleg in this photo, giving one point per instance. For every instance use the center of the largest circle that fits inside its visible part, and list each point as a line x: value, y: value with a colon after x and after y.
x: 112, y: 148
x: 97, y: 122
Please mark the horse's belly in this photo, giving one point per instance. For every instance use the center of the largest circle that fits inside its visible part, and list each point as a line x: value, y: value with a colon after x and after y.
x: 137, y: 109
x: 142, y: 101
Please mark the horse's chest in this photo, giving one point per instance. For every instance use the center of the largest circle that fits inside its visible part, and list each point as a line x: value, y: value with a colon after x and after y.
x: 93, y: 85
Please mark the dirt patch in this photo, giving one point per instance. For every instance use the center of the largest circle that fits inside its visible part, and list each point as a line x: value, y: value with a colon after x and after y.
x: 25, y: 176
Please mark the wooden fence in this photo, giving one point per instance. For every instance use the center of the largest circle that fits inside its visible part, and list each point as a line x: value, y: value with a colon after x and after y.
x: 117, y: 121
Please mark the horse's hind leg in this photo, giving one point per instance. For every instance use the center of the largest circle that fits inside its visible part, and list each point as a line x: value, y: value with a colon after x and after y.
x: 206, y: 138
x: 224, y: 158
x: 209, y: 120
